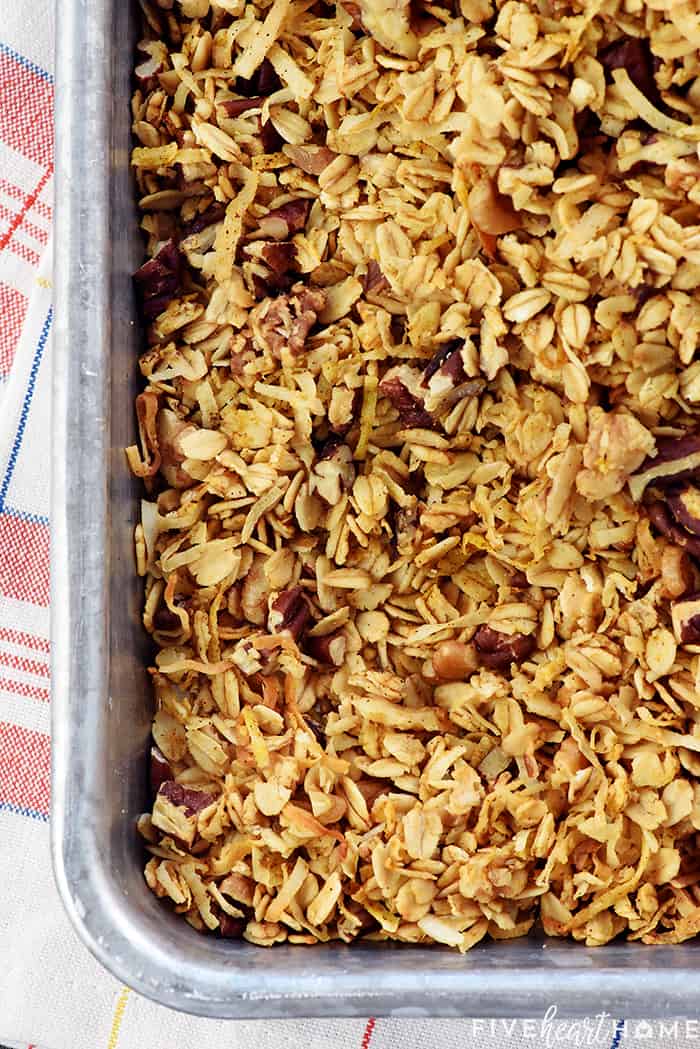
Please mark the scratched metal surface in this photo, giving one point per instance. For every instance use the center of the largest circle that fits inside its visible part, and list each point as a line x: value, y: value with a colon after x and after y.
x: 100, y: 698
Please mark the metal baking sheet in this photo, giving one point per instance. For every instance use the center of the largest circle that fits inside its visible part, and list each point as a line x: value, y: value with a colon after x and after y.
x: 101, y: 700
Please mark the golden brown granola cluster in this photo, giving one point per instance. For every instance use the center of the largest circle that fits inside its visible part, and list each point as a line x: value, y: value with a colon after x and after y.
x: 419, y: 436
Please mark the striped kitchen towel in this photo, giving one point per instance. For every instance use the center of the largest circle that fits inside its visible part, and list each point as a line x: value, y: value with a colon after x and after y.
x: 52, y: 993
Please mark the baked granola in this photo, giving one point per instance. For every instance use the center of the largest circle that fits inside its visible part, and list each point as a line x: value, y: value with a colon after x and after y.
x: 420, y: 436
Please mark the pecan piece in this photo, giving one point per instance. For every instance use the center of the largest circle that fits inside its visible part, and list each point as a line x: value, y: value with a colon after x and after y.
x: 634, y: 55
x: 214, y: 213
x: 289, y: 612
x: 161, y: 771
x: 156, y: 62
x: 231, y: 928
x: 401, y: 385
x: 446, y: 380
x: 270, y: 137
x: 329, y: 649
x: 311, y: 159
x: 166, y: 621
x: 279, y: 257
x: 374, y: 280
x: 285, y: 220
x: 159, y: 280
x: 660, y: 517
x: 233, y: 107
x: 264, y: 81
x: 187, y: 798
x: 676, y: 459
x: 288, y: 319
x: 685, y: 617
x: 334, y: 471
x: 498, y: 651
x: 684, y: 504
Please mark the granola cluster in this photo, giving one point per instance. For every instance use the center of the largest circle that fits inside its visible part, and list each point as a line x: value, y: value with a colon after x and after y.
x: 420, y: 434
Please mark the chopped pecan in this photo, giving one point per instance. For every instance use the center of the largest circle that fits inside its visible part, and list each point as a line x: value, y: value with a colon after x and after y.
x: 311, y: 159
x: 662, y: 519
x: 329, y: 649
x: 676, y: 459
x: 634, y: 55
x: 161, y: 771
x: 446, y: 380
x: 684, y: 504
x: 233, y: 107
x: 170, y: 428
x: 315, y: 725
x: 159, y: 280
x: 231, y: 928
x: 156, y: 62
x: 285, y: 220
x: 685, y: 616
x: 374, y: 280
x: 166, y: 621
x: 334, y: 471
x: 498, y: 650
x: 289, y: 613
x: 447, y: 354
x: 147, y: 415
x: 405, y: 527
x: 287, y: 320
x: 280, y: 257
x: 264, y: 81
x: 402, y: 386
x: 214, y: 213
x: 270, y: 137
x: 191, y: 800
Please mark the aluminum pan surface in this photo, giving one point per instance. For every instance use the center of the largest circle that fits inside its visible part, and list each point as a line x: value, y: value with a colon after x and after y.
x: 101, y: 701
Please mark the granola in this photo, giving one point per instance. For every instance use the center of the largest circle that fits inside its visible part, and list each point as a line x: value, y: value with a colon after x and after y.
x: 420, y: 438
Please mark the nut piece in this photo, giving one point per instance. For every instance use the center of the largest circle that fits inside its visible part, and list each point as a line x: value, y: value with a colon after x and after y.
x: 334, y: 471
x: 191, y: 800
x: 233, y: 107
x: 327, y: 649
x: 290, y: 613
x: 213, y: 214
x: 685, y: 616
x: 684, y: 504
x: 660, y: 517
x: 455, y: 661
x: 374, y: 282
x: 402, y: 385
x: 498, y: 651
x: 446, y: 380
x: 289, y: 218
x: 676, y: 459
x: 159, y: 280
x: 161, y: 771
x: 634, y: 55
x: 156, y: 62
x: 311, y: 159
x: 232, y: 928
x: 288, y: 319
